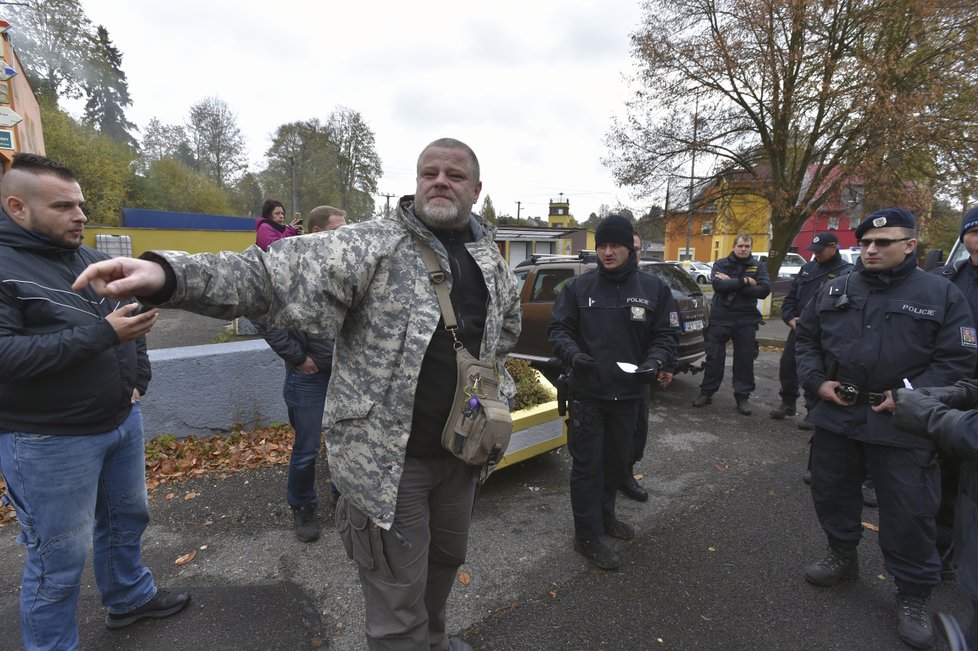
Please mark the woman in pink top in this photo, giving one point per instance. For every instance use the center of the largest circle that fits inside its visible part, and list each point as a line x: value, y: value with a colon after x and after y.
x: 271, y: 227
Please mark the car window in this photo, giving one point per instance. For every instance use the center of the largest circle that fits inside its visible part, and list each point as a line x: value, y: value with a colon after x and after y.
x: 676, y: 279
x: 793, y: 260
x: 520, y: 279
x: 548, y: 284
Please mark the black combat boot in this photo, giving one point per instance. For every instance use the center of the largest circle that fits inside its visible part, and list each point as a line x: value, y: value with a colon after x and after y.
x: 703, y: 400
x: 632, y: 489
x: 913, y: 621
x: 786, y: 409
x: 838, y: 565
x: 743, y: 406
x: 599, y: 554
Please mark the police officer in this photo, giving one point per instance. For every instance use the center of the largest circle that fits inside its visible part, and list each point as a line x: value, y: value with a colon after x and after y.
x: 607, y: 315
x: 964, y: 274
x: 949, y: 415
x: 826, y: 264
x: 739, y: 281
x: 858, y: 340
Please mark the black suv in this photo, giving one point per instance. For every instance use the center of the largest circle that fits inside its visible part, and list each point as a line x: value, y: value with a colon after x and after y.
x: 541, y: 278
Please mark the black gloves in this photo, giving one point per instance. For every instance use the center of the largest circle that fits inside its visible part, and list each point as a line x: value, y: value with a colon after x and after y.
x: 583, y: 363
x: 653, y: 366
x: 961, y: 395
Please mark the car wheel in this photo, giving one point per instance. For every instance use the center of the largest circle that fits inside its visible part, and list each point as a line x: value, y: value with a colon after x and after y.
x: 701, y: 280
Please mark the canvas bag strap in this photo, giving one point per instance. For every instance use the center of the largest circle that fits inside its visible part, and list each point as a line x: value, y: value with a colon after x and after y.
x: 437, y: 277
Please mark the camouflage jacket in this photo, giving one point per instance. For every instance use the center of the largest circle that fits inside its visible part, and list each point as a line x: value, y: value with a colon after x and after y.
x: 366, y: 286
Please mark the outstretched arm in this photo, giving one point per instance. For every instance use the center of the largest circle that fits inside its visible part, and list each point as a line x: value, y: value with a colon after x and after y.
x: 120, y: 278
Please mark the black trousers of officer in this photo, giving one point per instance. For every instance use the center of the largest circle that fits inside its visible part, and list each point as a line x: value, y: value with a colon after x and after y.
x: 641, y: 436
x: 908, y: 490
x: 788, y: 370
x: 599, y: 438
x: 744, y: 337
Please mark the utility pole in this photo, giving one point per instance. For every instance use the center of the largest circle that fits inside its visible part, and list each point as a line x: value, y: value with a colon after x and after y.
x: 295, y: 207
x: 692, y: 176
x: 518, y: 210
x: 387, y: 208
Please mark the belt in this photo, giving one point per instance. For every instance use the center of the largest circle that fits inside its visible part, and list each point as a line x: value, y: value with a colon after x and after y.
x: 853, y: 395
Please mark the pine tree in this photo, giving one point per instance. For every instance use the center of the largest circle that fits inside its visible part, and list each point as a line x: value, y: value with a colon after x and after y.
x: 108, y: 91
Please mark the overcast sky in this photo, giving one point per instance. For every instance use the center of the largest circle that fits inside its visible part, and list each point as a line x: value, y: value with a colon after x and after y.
x: 531, y: 85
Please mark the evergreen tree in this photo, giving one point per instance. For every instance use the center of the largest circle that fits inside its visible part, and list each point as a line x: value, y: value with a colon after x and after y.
x: 108, y: 91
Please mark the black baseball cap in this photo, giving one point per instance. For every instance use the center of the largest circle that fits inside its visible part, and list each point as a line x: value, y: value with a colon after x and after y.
x: 822, y: 240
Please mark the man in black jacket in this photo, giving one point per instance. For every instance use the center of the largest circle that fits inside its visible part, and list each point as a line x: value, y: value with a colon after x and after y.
x: 863, y: 336
x: 949, y: 416
x: 964, y: 274
x: 605, y: 316
x: 826, y: 264
x: 739, y: 281
x: 73, y: 367
x: 308, y: 364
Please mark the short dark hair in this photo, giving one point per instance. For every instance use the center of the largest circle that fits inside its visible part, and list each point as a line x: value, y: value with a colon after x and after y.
x: 269, y: 206
x: 452, y: 143
x: 36, y: 164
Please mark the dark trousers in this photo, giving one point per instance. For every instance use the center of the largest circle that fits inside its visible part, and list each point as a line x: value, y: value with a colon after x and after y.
x: 407, y: 573
x: 950, y: 475
x: 641, y: 435
x: 908, y: 489
x: 788, y: 371
x: 599, y: 438
x: 744, y: 337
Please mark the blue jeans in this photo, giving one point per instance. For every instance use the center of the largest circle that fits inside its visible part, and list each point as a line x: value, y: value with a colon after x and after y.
x: 305, y: 396
x: 69, y: 491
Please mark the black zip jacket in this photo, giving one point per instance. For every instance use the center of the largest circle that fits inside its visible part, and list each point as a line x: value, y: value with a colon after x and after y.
x: 894, y: 324
x: 808, y: 281
x: 63, y: 370
x: 294, y: 346
x: 734, y: 301
x: 632, y: 321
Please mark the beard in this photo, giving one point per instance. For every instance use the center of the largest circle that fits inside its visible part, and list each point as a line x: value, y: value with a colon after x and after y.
x: 449, y: 217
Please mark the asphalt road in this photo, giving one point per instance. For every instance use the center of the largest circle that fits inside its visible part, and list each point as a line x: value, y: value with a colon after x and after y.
x: 717, y: 562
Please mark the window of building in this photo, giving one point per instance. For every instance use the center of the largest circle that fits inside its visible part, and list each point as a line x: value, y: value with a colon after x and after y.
x: 707, y: 228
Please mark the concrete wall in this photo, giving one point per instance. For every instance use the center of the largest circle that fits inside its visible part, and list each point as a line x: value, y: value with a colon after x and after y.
x: 199, y: 389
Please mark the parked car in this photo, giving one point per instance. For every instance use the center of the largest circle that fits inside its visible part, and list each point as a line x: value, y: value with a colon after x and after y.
x: 698, y: 271
x: 790, y: 266
x: 540, y: 283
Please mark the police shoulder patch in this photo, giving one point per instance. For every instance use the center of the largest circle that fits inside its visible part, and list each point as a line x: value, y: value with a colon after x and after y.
x: 969, y: 338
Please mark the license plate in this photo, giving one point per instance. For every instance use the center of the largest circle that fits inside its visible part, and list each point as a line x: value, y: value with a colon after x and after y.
x: 693, y: 326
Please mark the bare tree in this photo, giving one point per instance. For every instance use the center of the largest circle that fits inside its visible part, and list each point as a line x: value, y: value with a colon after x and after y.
x: 791, y: 92
x: 216, y: 141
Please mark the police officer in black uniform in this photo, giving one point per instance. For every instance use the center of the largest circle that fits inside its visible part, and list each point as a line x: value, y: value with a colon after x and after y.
x: 858, y: 340
x: 604, y: 316
x: 739, y: 281
x: 949, y: 415
x: 964, y: 274
x: 825, y: 265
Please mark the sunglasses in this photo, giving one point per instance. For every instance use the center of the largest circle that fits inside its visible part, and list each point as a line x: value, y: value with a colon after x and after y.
x: 880, y: 242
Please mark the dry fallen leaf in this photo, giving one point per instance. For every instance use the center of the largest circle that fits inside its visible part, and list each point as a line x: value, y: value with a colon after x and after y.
x: 870, y: 526
x: 639, y: 477
x: 186, y: 558
x: 464, y: 578
x: 169, y: 496
x: 706, y: 618
x: 720, y: 467
x: 553, y: 594
x: 190, y: 496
